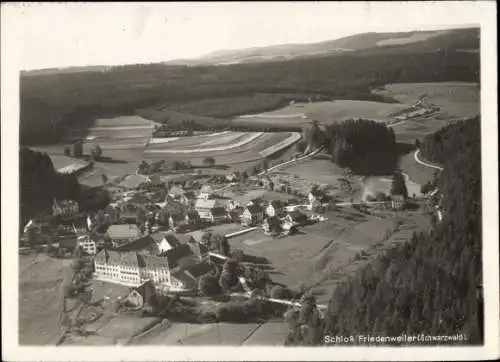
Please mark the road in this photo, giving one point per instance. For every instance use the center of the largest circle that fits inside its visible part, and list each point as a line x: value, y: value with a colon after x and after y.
x: 418, y: 160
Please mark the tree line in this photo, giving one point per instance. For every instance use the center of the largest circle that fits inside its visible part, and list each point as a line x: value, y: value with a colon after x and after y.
x: 431, y: 284
x: 49, y: 103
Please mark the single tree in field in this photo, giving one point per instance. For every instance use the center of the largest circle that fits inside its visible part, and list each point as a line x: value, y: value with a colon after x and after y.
x: 209, y: 161
x: 104, y: 178
x: 244, y: 176
x: 67, y: 151
x: 398, y: 186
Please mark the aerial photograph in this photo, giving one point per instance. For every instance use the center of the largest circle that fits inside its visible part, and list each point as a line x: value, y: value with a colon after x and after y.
x: 184, y: 183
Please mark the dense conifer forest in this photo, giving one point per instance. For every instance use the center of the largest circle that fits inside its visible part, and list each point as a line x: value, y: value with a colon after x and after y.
x: 351, y: 139
x: 40, y: 183
x: 431, y: 284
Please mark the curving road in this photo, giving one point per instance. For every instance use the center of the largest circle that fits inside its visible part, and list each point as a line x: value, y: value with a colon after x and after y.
x: 418, y: 160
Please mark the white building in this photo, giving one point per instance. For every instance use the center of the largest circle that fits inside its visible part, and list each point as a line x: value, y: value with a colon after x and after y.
x: 87, y: 244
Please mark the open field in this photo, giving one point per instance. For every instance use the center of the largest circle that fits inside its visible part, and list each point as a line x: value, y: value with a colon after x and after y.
x: 455, y: 99
x: 326, y: 112
x: 248, y: 150
x: 312, y: 257
x: 40, y: 298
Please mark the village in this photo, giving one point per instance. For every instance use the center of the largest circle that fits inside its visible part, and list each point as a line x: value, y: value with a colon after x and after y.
x: 159, y: 231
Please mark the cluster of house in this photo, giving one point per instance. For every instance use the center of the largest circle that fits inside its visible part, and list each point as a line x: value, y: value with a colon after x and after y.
x: 174, y: 262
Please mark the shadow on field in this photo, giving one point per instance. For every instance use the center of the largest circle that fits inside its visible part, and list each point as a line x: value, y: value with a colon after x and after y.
x: 380, y: 163
x: 110, y: 160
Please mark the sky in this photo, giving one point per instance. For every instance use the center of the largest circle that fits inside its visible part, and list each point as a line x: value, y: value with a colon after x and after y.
x: 78, y: 34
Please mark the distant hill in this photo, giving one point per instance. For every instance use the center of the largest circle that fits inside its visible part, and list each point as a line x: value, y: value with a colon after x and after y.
x: 50, y: 71
x: 339, y: 46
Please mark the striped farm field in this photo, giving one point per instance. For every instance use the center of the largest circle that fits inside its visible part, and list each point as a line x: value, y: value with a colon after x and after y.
x: 195, y: 144
x: 254, y: 146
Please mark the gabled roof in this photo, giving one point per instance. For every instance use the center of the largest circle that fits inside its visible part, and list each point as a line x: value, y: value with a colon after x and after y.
x: 175, y: 255
x: 198, y: 249
x: 196, y: 235
x: 153, y: 261
x: 205, y: 204
x: 254, y: 209
x: 143, y: 243
x: 125, y: 231
x: 116, y: 257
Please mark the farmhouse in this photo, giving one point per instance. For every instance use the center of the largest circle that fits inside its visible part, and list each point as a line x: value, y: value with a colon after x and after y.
x: 142, y: 296
x: 64, y: 207
x: 275, y: 208
x: 205, y: 192
x: 172, y: 240
x: 190, y: 276
x: 253, y: 215
x: 204, y: 207
x: 87, y: 244
x: 398, y: 202
x: 122, y: 234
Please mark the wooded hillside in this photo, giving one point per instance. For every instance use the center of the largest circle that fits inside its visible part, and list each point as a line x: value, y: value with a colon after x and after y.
x: 431, y: 284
